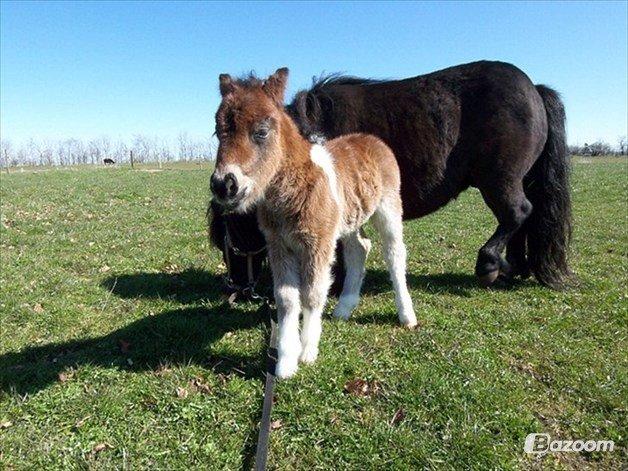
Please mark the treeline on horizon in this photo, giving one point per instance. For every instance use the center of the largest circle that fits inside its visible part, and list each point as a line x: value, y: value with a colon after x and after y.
x: 600, y: 147
x: 146, y: 149
x: 74, y: 151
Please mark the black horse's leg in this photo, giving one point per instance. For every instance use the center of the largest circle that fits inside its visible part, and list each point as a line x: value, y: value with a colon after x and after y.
x: 511, y: 208
x: 338, y: 272
x: 516, y: 255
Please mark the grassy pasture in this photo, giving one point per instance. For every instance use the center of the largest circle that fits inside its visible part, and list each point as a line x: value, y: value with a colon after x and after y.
x: 116, y: 350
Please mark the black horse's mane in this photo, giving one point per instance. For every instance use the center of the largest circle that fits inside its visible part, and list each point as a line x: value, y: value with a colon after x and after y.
x: 323, y: 81
x: 305, y: 108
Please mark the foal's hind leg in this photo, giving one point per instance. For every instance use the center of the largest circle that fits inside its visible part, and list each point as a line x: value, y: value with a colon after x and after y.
x: 511, y: 208
x: 315, y: 282
x: 387, y: 220
x: 355, y: 250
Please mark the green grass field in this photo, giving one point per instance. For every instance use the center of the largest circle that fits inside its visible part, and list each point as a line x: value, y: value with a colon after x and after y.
x: 116, y: 350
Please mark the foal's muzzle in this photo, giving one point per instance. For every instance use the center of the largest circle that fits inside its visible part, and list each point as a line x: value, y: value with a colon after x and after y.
x: 224, y: 188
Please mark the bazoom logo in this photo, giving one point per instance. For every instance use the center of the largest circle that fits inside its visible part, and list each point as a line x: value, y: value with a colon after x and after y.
x: 539, y: 443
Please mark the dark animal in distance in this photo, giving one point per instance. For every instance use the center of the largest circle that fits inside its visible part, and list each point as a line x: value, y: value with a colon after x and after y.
x: 109, y: 161
x: 484, y: 125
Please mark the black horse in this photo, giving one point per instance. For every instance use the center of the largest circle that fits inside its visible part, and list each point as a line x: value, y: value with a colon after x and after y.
x: 484, y: 125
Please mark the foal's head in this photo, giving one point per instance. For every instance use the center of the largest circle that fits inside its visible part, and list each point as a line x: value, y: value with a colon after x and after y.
x: 249, y: 125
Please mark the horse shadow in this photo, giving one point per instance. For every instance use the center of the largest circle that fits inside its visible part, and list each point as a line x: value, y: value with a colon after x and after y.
x: 189, y: 286
x: 174, y: 337
x: 377, y: 281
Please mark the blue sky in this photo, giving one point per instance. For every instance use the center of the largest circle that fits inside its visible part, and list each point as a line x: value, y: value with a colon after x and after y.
x: 122, y: 68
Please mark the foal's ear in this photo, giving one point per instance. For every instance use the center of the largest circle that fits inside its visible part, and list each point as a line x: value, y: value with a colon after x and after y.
x: 226, y: 84
x: 275, y: 85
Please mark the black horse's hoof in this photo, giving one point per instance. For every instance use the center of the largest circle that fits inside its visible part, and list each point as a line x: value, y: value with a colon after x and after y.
x: 487, y: 268
x: 523, y: 272
x: 511, y: 270
x: 489, y: 278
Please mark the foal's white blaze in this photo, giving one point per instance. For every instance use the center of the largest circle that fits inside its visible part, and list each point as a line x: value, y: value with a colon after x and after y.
x: 321, y: 157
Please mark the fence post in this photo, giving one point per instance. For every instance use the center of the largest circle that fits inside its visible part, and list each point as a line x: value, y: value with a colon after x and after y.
x: 131, y: 159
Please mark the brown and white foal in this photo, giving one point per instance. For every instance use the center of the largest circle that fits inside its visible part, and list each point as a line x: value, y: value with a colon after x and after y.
x: 307, y: 197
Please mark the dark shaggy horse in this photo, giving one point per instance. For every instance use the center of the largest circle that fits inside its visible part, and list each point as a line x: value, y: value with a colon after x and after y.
x: 484, y: 125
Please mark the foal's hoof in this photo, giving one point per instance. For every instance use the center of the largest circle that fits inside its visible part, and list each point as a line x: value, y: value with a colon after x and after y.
x: 489, y: 278
x: 309, y: 354
x: 286, y: 369
x: 410, y: 325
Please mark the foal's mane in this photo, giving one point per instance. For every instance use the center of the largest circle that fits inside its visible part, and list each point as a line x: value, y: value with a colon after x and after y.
x: 248, y: 80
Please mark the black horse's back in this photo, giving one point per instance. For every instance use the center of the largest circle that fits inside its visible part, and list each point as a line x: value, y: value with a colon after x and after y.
x: 446, y: 128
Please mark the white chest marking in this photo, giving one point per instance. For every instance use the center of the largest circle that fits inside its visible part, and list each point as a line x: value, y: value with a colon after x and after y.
x: 321, y: 157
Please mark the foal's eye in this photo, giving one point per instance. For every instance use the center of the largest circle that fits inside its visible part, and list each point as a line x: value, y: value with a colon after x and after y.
x: 261, y: 134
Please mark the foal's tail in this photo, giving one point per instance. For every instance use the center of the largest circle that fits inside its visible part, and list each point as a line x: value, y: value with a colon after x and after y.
x: 547, y: 187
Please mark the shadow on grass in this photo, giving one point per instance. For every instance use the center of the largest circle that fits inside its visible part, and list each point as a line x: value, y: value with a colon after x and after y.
x: 188, y: 286
x: 174, y: 337
x: 458, y: 284
x: 191, y: 286
x: 180, y: 336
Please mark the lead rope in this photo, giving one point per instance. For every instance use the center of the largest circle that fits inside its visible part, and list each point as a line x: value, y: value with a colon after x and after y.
x: 261, y: 452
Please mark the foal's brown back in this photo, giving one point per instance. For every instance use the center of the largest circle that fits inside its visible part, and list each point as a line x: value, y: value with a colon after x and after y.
x: 366, y: 169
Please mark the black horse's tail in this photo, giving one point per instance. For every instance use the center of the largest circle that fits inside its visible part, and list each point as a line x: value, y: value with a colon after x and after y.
x: 547, y: 187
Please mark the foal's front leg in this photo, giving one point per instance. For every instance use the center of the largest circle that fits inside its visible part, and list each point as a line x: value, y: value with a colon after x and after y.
x: 286, y: 285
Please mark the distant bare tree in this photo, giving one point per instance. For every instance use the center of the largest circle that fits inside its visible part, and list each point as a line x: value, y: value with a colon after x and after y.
x: 31, y: 152
x: 105, y: 146
x: 95, y: 152
x: 7, y: 155
x: 22, y: 156
x: 142, y: 148
x: 597, y: 148
x: 78, y: 151
x: 46, y: 153
x: 622, y: 145
x: 184, y: 146
x: 121, y: 152
x: 162, y: 151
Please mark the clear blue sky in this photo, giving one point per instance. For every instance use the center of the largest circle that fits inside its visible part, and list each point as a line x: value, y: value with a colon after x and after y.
x: 122, y: 68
